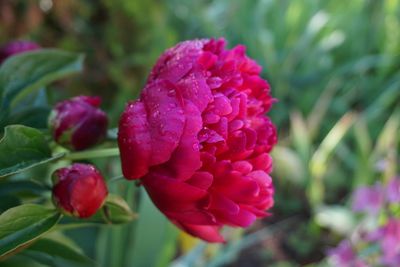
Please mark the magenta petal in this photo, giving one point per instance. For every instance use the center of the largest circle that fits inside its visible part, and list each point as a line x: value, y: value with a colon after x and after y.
x: 214, y: 82
x: 217, y: 46
x: 166, y: 119
x: 210, y: 118
x: 221, y: 105
x: 251, y: 137
x: 243, y: 218
x: 177, y: 61
x: 257, y: 212
x: 207, y: 60
x: 261, y: 177
x: 262, y: 162
x: 250, y: 66
x: 210, y: 136
x: 192, y: 217
x: 195, y: 89
x: 91, y: 129
x: 242, y: 166
x: 201, y: 180
x: 172, y: 195
x: 185, y: 160
x: 134, y: 141
x: 237, y: 141
x: 222, y: 127
x: 236, y: 54
x: 205, y: 232
x: 222, y: 204
x: 241, y: 188
x: 235, y: 125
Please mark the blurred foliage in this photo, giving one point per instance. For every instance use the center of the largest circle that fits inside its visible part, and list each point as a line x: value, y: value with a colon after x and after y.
x: 333, y: 65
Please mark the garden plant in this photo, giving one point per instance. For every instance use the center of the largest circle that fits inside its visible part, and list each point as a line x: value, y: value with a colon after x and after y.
x: 199, y: 133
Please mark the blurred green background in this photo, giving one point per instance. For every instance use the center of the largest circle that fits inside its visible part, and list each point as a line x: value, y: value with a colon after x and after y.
x: 333, y: 65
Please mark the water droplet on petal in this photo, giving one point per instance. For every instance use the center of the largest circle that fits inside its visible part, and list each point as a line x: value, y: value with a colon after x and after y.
x: 195, y: 146
x: 171, y: 92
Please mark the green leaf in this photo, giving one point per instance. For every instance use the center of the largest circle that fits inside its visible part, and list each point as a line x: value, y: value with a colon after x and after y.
x: 301, y: 135
x: 30, y: 188
x: 31, y: 116
x: 12, y: 193
x: 37, y: 98
x: 20, y: 261
x: 8, y: 201
x: 32, y: 111
x: 155, y: 247
x: 56, y: 254
x: 21, y: 225
x: 117, y: 211
x: 22, y: 148
x: 288, y: 165
x: 21, y: 74
x: 319, y: 162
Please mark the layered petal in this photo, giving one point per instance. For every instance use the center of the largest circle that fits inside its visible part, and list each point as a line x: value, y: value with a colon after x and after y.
x: 134, y: 141
x: 204, y: 158
x: 166, y: 119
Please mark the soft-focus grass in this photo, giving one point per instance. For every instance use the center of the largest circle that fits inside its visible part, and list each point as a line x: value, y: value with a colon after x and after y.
x: 333, y: 65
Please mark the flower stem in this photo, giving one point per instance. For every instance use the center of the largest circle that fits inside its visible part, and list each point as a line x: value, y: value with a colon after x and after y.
x: 90, y: 154
x: 116, y: 178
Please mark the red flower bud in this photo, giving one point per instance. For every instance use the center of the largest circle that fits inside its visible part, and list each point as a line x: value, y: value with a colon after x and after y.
x: 79, y: 190
x: 16, y: 47
x: 78, y: 123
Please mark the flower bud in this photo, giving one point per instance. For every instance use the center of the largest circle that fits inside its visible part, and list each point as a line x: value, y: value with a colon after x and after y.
x: 79, y: 190
x: 16, y: 47
x: 78, y: 123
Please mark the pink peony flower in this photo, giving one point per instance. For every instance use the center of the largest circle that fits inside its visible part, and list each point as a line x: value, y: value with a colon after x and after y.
x: 79, y: 190
x: 199, y: 140
x: 78, y: 123
x: 16, y: 47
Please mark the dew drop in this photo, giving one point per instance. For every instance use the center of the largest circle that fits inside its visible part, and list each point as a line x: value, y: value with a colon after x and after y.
x: 171, y: 92
x: 162, y: 129
x: 156, y: 114
x: 195, y: 146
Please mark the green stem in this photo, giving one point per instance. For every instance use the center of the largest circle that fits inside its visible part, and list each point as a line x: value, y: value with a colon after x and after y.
x: 116, y: 178
x: 90, y: 154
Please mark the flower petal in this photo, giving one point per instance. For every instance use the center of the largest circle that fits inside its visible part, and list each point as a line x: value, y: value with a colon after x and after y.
x: 134, y: 141
x: 172, y: 195
x: 166, y: 119
x: 208, y: 233
x: 185, y: 160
